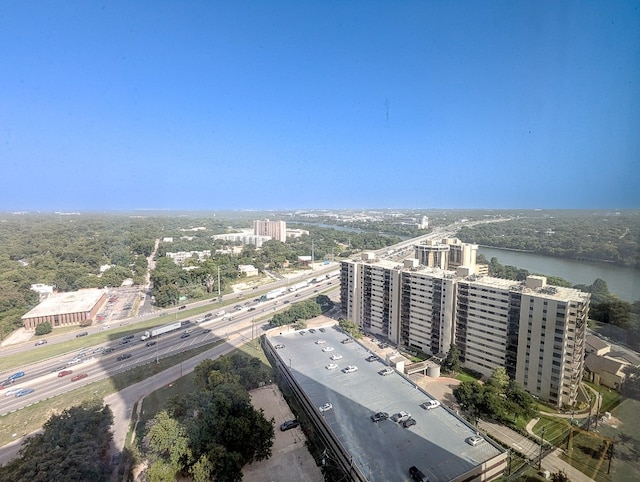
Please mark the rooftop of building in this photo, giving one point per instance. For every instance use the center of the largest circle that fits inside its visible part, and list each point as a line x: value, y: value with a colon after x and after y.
x: 541, y: 289
x: 62, y: 303
x: 383, y: 451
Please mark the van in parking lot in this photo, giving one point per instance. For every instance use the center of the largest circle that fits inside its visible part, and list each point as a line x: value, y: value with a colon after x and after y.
x: 417, y: 475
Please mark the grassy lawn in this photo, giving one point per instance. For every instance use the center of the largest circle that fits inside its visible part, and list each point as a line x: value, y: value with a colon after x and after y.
x: 610, y: 398
x: 466, y: 377
x: 588, y: 452
x: 555, y: 429
x: 25, y: 421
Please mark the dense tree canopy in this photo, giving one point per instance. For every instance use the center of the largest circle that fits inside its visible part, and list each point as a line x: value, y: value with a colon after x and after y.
x: 213, y: 432
x: 303, y: 310
x: 72, y: 446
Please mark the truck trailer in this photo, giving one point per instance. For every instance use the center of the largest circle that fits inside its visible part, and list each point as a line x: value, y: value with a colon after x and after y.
x: 274, y: 294
x: 160, y: 330
x: 298, y: 286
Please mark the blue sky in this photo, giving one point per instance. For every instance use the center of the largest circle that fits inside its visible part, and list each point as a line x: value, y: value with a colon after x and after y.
x: 319, y: 104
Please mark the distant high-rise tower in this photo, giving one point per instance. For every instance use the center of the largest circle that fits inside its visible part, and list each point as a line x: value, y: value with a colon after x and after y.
x: 276, y: 229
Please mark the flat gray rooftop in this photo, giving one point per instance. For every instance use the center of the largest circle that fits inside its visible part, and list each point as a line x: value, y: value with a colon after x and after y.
x: 383, y: 451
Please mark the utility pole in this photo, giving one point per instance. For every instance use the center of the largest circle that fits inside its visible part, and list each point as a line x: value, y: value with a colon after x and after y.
x: 218, y: 283
x: 541, y: 444
x: 613, y: 442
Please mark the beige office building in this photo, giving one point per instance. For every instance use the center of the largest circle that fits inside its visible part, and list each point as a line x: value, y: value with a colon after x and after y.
x: 276, y: 229
x: 537, y: 332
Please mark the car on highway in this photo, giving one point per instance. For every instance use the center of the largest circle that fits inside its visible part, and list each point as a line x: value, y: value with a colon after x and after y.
x: 24, y: 391
x: 475, y: 440
x: 430, y: 404
x: 40, y: 342
x: 251, y: 309
x: 128, y: 337
x: 124, y: 356
x: 84, y: 333
x: 400, y: 416
x: 64, y: 373
x: 288, y: 425
x: 183, y: 307
x: 150, y: 343
x: 279, y: 346
x: 12, y: 391
x: 79, y: 376
x: 386, y: 371
x: 185, y: 335
x: 331, y: 366
x: 325, y: 407
x: 409, y: 423
x: 327, y: 348
x: 237, y: 307
x: 125, y: 342
x: 350, y: 369
x: 15, y: 376
x: 337, y: 356
x: 376, y: 417
x: 200, y: 320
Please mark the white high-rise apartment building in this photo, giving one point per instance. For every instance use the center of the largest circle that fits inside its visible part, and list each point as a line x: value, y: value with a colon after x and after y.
x: 276, y: 229
x: 537, y: 332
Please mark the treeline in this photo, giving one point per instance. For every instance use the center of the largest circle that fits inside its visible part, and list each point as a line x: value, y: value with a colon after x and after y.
x: 607, y: 237
x: 212, y: 432
x: 67, y: 252
x: 303, y: 310
x: 73, y: 445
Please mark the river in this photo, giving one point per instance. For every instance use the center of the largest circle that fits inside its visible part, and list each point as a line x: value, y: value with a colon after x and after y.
x: 624, y: 282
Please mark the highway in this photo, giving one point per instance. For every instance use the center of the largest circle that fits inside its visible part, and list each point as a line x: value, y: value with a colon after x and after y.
x: 97, y: 365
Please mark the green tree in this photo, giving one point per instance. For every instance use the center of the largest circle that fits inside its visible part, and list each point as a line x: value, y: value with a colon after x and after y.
x: 499, y: 380
x: 452, y: 362
x: 351, y: 328
x: 560, y: 476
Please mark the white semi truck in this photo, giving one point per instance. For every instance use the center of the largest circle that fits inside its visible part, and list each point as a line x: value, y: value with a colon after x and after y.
x: 160, y: 330
x: 298, y: 286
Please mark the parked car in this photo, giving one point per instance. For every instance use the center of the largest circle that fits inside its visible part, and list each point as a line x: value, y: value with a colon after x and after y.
x: 325, y: 407
x: 350, y: 369
x: 400, y: 416
x: 337, y: 356
x: 288, y: 425
x: 429, y: 404
x: 322, y: 330
x: 331, y: 366
x: 279, y: 346
x: 327, y: 348
x: 372, y: 358
x: 376, y: 417
x: 409, y: 423
x: 64, y: 373
x: 475, y: 440
x: 41, y: 342
x: 320, y: 342
x: 311, y: 330
x: 386, y: 371
x: 79, y: 376
x: 84, y: 333
x: 346, y: 340
x: 417, y: 475
x: 124, y: 356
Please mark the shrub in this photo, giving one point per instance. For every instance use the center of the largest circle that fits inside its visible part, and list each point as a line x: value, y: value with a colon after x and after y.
x: 43, y: 328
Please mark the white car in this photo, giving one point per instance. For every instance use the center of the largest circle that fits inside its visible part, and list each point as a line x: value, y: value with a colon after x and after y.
x: 326, y: 407
x: 350, y: 369
x: 475, y: 440
x: 400, y: 416
x: 386, y: 371
x: 428, y: 405
x: 320, y: 342
x: 337, y: 356
x: 327, y: 348
x: 331, y: 366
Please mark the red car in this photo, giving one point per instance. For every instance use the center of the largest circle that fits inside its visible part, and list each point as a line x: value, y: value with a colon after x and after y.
x: 80, y: 376
x: 65, y: 373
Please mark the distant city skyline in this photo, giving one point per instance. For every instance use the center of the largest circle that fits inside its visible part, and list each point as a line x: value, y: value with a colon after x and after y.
x: 319, y: 105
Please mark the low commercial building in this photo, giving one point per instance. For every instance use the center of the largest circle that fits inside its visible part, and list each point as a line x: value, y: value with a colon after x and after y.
x: 340, y: 396
x: 247, y: 270
x: 65, y: 309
